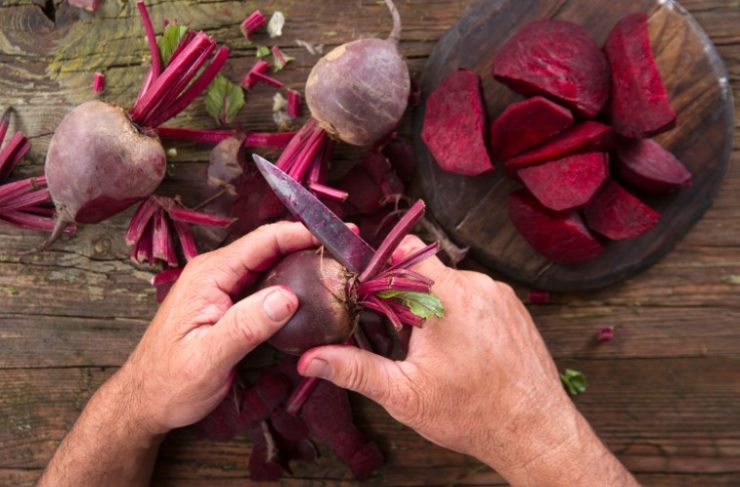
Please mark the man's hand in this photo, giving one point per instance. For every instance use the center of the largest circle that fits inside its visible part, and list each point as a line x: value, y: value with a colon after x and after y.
x: 184, y: 365
x: 479, y: 381
x: 182, y: 368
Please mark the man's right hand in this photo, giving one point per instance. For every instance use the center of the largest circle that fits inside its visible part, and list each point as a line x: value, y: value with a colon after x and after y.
x: 479, y: 381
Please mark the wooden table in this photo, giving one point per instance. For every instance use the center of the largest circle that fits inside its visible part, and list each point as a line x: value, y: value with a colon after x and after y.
x: 664, y: 395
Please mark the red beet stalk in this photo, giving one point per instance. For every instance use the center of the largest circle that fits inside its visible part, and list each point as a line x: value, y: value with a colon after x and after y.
x: 254, y: 21
x: 98, y: 84
x: 294, y: 104
x: 252, y: 140
x: 257, y: 74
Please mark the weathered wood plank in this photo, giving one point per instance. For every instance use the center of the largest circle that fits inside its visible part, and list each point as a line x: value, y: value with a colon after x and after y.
x: 663, y: 394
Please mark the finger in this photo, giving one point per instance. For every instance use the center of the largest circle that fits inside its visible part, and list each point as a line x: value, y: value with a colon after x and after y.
x: 431, y: 267
x: 239, y: 264
x: 249, y: 323
x: 371, y: 375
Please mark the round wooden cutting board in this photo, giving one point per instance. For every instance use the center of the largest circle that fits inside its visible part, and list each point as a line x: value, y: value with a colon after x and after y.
x: 474, y: 210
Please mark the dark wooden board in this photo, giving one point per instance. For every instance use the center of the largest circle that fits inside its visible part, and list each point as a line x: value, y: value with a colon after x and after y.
x: 474, y: 210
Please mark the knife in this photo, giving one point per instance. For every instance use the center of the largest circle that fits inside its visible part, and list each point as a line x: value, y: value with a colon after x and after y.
x: 344, y: 245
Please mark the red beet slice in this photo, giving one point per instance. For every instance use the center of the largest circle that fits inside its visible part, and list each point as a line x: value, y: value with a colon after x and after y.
x: 567, y: 183
x: 584, y: 137
x: 640, y: 106
x: 617, y: 214
x: 525, y: 124
x: 559, y: 60
x: 648, y: 167
x: 454, y: 123
x: 561, y: 237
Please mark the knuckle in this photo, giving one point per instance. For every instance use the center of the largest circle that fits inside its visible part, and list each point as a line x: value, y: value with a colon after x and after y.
x: 505, y: 290
x: 354, y: 377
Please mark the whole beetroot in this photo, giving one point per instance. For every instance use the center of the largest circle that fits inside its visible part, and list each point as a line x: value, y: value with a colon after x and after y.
x: 110, y: 165
x: 328, y: 313
x: 357, y: 93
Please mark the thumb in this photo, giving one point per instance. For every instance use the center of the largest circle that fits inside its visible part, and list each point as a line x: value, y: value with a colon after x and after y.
x: 249, y: 323
x: 371, y: 375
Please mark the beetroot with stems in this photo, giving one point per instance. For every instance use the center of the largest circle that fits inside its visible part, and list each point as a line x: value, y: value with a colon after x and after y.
x: 557, y: 59
x: 584, y: 137
x: 525, y: 124
x: 639, y: 105
x: 331, y: 297
x: 561, y: 237
x: 619, y: 215
x: 454, y: 125
x: 648, y: 167
x: 357, y: 93
x: 102, y: 159
x: 567, y: 183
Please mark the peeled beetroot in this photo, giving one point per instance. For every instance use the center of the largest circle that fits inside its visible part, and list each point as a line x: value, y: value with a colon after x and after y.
x: 556, y: 59
x: 99, y: 163
x: 640, y: 106
x: 584, y: 137
x: 617, y: 214
x: 561, y: 237
x: 567, y: 183
x: 454, y: 125
x: 525, y: 124
x: 646, y: 166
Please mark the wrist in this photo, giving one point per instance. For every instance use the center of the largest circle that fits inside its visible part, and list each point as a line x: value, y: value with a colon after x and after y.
x: 123, y: 393
x: 553, y: 445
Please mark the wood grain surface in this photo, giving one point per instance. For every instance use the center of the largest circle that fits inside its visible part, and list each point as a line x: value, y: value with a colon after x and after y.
x: 663, y: 394
x: 474, y: 211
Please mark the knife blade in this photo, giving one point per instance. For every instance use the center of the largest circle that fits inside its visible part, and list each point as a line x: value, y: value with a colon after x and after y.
x: 341, y: 242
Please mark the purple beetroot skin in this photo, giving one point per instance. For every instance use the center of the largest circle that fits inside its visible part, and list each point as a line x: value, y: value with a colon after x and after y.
x: 646, y: 166
x: 454, y: 125
x: 556, y: 59
x: 581, y: 138
x: 640, y: 106
x: 561, y: 237
x: 525, y: 124
x: 567, y: 183
x: 618, y: 215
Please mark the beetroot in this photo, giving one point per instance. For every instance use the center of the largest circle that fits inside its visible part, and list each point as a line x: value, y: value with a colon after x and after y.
x: 525, y: 124
x: 556, y: 59
x: 357, y: 93
x: 584, y: 137
x: 639, y: 106
x: 400, y: 153
x: 103, y: 159
x: 648, y: 167
x: 618, y: 215
x: 454, y: 123
x: 326, y: 314
x: 265, y: 462
x: 561, y: 237
x: 331, y: 297
x: 567, y: 183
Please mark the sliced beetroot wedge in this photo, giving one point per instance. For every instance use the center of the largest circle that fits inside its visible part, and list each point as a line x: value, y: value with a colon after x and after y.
x: 619, y: 215
x: 639, y: 105
x: 567, y: 183
x: 525, y: 124
x: 646, y: 166
x: 454, y: 125
x: 561, y: 237
x: 559, y: 60
x: 581, y: 138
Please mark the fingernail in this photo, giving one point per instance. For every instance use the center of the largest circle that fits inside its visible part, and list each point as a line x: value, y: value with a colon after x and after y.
x: 317, y: 368
x: 280, y: 304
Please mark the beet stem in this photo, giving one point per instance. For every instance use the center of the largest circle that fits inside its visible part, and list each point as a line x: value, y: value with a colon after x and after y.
x: 197, y: 218
x: 151, y: 38
x: 12, y: 153
x: 301, y: 394
x: 268, y: 140
x: 326, y: 191
x: 98, y: 83
x: 415, y: 258
x: 142, y: 216
x: 167, y: 276
x: 4, y: 124
x: 27, y: 201
x: 254, y: 21
x: 259, y: 67
x: 197, y: 87
x: 194, y: 135
x: 268, y: 80
x: 34, y: 222
x: 294, y: 104
x: 187, y: 241
x: 381, y: 284
x: 376, y: 304
x: 10, y: 191
x: 394, y: 237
